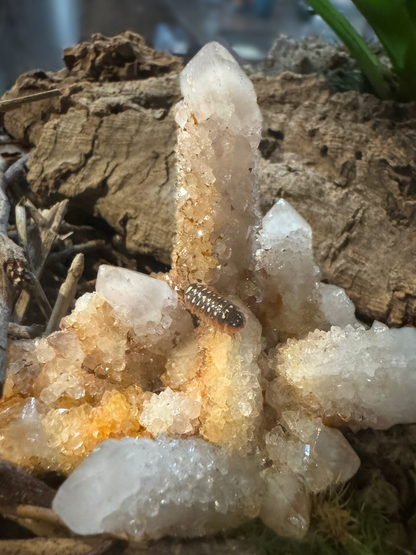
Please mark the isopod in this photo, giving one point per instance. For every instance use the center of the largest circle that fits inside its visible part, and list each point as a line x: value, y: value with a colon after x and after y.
x: 208, y: 305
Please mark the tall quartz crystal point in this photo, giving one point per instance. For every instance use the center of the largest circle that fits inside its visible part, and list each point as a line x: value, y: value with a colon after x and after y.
x: 220, y: 128
x: 287, y: 274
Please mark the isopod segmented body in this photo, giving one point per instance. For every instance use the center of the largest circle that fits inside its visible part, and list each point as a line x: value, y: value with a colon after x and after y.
x: 207, y: 304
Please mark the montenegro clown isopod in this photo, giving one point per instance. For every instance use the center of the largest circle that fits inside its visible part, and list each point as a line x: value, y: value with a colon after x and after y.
x: 209, y: 306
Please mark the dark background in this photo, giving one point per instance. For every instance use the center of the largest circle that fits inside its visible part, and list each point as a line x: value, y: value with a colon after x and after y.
x: 33, y: 33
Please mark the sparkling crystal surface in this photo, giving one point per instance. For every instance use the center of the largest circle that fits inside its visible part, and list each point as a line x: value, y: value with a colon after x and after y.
x: 336, y: 306
x: 286, y: 505
x: 219, y: 132
x: 364, y: 377
x: 149, y: 488
x: 140, y: 300
x: 317, y: 454
x: 159, y: 414
x: 288, y: 274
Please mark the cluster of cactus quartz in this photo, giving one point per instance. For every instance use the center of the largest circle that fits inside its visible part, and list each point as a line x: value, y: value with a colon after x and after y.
x: 195, y: 429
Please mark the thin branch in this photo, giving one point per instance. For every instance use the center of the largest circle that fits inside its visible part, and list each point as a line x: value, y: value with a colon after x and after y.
x: 16, y: 331
x: 66, y: 227
x: 59, y: 215
x: 48, y: 237
x: 40, y: 528
x: 4, y: 202
x: 44, y: 546
x: 34, y: 212
x: 41, y: 514
x: 18, y: 487
x: 8, y: 105
x: 66, y: 294
x: 21, y: 224
x: 107, y: 546
x: 31, y: 511
x: 14, y: 174
x: 75, y: 249
x: 13, y: 270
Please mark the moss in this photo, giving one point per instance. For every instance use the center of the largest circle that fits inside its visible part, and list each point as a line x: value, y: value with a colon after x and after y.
x: 337, y: 528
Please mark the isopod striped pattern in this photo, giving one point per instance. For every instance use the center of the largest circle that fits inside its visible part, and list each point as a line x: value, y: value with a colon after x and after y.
x: 207, y: 304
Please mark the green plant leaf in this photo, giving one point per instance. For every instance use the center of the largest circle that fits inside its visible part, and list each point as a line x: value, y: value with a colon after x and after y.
x: 376, y: 72
x: 411, y: 8
x: 394, y: 22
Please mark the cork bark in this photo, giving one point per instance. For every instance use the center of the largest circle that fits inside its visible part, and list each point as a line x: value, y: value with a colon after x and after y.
x: 347, y: 163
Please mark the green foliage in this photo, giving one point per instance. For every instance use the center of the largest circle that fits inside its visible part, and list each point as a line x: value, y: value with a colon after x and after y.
x: 394, y: 22
x: 367, y: 539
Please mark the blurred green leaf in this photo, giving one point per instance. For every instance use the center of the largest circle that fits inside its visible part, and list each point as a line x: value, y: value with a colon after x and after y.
x: 376, y: 72
x: 394, y: 22
x: 411, y: 8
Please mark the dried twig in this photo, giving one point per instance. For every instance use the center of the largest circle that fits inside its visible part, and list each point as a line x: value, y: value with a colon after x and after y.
x: 8, y: 105
x: 19, y: 487
x: 15, y: 173
x: 66, y: 294
x: 48, y: 235
x: 34, y: 212
x: 31, y: 511
x: 55, y: 222
x: 21, y: 224
x: 44, y: 546
x: 122, y: 259
x: 66, y: 227
x: 13, y: 272
x: 16, y: 331
x: 50, y: 214
x: 41, y: 528
x: 75, y: 249
x: 109, y: 546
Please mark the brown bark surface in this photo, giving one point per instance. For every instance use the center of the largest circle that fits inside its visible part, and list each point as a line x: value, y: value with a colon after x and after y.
x: 345, y: 161
x: 108, y: 142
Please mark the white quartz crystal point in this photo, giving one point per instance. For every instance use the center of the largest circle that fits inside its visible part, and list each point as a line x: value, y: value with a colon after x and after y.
x: 24, y: 438
x: 217, y: 188
x: 285, y: 241
x: 149, y: 489
x: 337, y: 307
x: 364, y: 377
x: 283, y: 223
x: 284, y: 251
x: 318, y: 455
x: 286, y: 505
x: 137, y: 299
x: 214, y: 83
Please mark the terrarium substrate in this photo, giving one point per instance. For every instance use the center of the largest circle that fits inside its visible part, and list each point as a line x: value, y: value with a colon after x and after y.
x: 170, y: 425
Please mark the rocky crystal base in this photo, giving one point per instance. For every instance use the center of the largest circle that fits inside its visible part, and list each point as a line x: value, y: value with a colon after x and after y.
x: 192, y: 449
